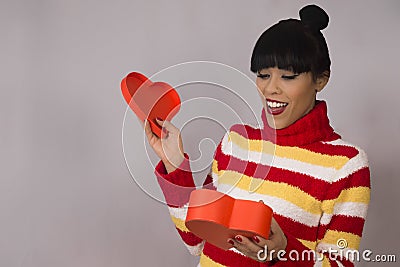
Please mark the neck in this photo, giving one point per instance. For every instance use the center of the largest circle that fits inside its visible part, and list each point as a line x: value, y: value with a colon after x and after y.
x: 312, y: 127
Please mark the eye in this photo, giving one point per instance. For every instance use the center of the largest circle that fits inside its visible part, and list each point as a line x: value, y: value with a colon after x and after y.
x: 289, y: 77
x: 263, y: 76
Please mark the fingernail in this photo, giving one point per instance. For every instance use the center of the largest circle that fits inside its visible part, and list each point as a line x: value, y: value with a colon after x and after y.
x: 238, y: 238
x: 230, y: 241
x: 255, y: 238
x: 158, y: 118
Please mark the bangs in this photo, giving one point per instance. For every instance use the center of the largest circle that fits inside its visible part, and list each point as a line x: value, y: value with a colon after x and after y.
x: 286, y: 47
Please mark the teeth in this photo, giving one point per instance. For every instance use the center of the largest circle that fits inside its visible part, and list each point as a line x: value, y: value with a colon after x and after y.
x: 276, y: 104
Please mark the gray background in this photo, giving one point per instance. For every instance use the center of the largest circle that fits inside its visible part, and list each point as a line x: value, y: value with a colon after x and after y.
x: 66, y: 195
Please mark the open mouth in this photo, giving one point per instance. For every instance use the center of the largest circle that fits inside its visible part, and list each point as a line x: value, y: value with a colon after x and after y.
x: 275, y: 107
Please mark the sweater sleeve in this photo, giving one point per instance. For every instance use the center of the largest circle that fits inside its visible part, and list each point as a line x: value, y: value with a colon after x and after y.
x: 176, y: 187
x: 344, y: 212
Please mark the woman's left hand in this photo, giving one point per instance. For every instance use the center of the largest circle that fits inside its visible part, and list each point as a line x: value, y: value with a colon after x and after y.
x: 256, y: 247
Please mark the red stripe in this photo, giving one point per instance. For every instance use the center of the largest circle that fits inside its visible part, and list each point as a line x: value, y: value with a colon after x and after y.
x: 341, y: 223
x: 246, y: 131
x: 332, y: 150
x: 333, y: 263
x: 333, y: 260
x: 318, y: 147
x: 315, y: 187
x: 208, y: 183
x: 177, y: 185
x: 294, y: 245
x: 182, y: 176
x: 189, y: 238
x: 357, y: 179
x: 297, y: 229
x: 343, y: 261
x: 228, y: 258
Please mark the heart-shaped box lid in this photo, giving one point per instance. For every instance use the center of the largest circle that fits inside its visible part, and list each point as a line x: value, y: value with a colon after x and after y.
x: 150, y: 100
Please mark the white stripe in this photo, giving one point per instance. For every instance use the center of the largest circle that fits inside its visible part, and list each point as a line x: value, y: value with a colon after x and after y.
x: 215, y: 178
x: 354, y: 209
x: 326, y: 218
x: 195, y: 250
x: 326, y: 174
x: 323, y: 173
x: 236, y: 251
x: 341, y: 142
x: 334, y: 248
x: 318, y: 263
x: 247, y: 155
x: 354, y: 164
x: 278, y: 205
x: 179, y: 213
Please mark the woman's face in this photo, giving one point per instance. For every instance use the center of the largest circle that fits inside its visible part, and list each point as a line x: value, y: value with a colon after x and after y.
x: 287, y: 96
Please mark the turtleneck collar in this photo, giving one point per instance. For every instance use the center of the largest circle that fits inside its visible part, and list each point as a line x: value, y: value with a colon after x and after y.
x: 311, y: 128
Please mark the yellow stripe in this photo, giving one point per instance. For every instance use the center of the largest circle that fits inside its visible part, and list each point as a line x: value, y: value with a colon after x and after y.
x: 325, y: 262
x: 332, y: 237
x: 180, y: 224
x: 293, y: 194
x: 294, y: 153
x: 309, y: 244
x: 355, y: 194
x: 280, y: 190
x: 214, y: 167
x: 359, y: 194
x: 207, y: 262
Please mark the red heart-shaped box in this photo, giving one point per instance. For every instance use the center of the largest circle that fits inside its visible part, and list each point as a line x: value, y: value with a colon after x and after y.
x: 215, y: 217
x: 150, y: 100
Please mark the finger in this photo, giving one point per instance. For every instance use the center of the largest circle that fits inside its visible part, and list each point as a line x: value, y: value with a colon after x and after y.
x: 147, y: 130
x: 246, y: 246
x: 168, y: 126
x: 276, y: 229
x: 274, y: 226
x: 259, y: 240
x: 164, y: 132
x: 255, y: 252
x: 267, y: 245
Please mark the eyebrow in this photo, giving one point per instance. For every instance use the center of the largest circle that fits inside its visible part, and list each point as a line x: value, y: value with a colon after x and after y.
x: 294, y: 74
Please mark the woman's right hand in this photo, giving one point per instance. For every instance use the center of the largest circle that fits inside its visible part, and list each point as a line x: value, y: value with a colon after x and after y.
x: 169, y: 148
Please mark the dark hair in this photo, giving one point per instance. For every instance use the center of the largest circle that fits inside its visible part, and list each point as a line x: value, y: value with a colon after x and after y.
x: 295, y: 45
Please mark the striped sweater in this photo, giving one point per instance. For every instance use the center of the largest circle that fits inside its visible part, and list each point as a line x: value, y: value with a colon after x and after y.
x: 317, y: 185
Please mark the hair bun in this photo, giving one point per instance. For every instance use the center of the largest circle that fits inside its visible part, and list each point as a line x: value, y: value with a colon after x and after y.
x: 314, y: 17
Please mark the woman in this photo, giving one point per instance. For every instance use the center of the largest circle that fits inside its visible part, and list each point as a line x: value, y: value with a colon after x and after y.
x: 317, y: 184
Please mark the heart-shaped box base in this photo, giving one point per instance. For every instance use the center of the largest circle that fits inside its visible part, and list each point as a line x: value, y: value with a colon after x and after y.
x: 215, y: 217
x: 150, y: 100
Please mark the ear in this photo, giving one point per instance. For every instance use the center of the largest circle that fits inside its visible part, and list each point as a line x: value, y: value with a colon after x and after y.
x: 322, y: 80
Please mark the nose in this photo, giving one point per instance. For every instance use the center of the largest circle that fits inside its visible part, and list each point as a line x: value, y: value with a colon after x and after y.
x: 269, y: 87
